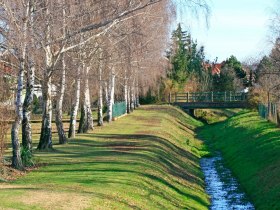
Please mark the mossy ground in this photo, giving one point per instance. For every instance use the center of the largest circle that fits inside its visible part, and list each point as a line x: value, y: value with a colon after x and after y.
x: 146, y: 160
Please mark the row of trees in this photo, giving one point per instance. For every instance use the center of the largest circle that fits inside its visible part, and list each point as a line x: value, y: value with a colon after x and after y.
x: 79, y: 51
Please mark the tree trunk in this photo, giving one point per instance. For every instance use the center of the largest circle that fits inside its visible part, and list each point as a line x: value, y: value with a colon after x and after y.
x: 16, y: 159
x: 131, y: 99
x: 100, y: 105
x: 59, y: 104
x: 100, y: 96
x: 82, y: 118
x: 89, y: 122
x: 132, y: 103
x: 137, y: 93
x: 125, y: 97
x: 46, y: 129
x: 75, y: 107
x: 86, y: 121
x: 106, y: 92
x: 27, y: 108
x: 30, y: 80
x: 111, y: 95
x: 128, y: 101
x: 125, y: 91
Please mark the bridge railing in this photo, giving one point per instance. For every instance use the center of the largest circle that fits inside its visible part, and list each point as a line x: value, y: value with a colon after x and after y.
x: 209, y: 97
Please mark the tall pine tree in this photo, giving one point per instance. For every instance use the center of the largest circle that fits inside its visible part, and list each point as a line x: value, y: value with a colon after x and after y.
x: 185, y: 57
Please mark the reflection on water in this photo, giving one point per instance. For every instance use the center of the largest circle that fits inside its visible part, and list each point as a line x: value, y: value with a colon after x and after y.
x: 222, y: 187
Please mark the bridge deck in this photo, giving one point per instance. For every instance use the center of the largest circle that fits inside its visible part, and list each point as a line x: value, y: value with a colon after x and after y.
x: 211, y: 105
x: 211, y: 100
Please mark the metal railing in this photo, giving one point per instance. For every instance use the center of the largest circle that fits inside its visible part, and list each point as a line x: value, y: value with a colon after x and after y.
x: 269, y: 112
x: 208, y: 97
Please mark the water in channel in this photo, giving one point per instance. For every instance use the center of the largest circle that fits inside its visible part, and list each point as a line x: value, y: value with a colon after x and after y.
x: 222, y: 187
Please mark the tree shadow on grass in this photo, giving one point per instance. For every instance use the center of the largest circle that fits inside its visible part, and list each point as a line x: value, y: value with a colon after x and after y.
x: 133, y: 155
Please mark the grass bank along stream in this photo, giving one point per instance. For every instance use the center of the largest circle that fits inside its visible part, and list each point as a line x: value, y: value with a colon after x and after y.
x: 146, y: 160
x: 250, y: 147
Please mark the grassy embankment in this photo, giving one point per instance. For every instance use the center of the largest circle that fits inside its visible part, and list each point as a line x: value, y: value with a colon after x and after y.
x: 251, y: 148
x: 146, y: 160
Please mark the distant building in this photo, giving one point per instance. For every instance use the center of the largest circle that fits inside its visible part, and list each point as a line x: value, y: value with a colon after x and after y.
x: 214, y: 67
x: 8, y: 72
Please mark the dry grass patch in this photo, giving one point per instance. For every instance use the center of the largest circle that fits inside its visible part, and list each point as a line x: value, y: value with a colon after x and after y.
x: 55, y: 200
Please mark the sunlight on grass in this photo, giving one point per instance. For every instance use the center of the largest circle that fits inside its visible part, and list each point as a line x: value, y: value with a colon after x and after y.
x: 146, y: 160
x: 251, y: 148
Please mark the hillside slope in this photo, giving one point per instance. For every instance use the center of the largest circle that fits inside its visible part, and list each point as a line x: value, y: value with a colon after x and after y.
x: 146, y: 160
x: 251, y: 148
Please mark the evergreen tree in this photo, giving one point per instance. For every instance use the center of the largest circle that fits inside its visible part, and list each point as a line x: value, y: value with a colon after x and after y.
x: 185, y: 57
x: 233, y: 63
x: 178, y: 55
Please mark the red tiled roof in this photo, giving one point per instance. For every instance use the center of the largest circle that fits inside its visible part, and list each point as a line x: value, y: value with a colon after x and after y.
x: 215, y: 68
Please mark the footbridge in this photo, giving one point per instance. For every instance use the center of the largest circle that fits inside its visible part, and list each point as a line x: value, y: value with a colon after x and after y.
x: 210, y: 100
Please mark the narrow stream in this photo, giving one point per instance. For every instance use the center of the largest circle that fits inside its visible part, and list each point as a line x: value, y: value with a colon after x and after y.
x: 222, y: 187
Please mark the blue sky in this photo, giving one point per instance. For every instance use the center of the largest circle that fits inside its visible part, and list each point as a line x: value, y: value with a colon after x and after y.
x: 236, y: 27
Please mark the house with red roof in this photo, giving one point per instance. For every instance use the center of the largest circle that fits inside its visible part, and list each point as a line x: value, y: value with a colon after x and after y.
x: 214, y: 67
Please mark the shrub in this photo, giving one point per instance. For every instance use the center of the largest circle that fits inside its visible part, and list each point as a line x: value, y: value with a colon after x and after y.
x: 27, y: 157
x: 255, y: 97
x: 149, y: 98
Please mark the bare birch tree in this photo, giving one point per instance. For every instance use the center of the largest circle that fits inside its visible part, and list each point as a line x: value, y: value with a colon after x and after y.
x: 40, y: 33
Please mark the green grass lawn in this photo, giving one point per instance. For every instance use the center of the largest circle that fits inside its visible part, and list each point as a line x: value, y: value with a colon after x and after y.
x: 146, y: 160
x: 251, y: 148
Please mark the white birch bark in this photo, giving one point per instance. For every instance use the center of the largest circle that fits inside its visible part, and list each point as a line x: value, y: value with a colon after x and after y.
x: 100, y: 105
x: 137, y: 93
x: 86, y: 121
x: 100, y: 92
x: 27, y: 108
x: 89, y: 124
x: 106, y: 92
x: 111, y: 95
x: 134, y: 94
x: 46, y: 129
x: 59, y: 105
x: 125, y: 90
x: 74, y: 112
x: 30, y: 80
x: 16, y: 158
x: 131, y: 99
